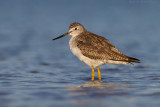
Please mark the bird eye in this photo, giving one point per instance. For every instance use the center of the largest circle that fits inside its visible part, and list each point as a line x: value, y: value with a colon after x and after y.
x: 75, y: 29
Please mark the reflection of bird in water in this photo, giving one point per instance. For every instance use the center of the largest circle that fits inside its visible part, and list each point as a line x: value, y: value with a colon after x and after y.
x: 96, y: 85
x: 99, y: 85
x: 94, y: 50
x: 94, y: 89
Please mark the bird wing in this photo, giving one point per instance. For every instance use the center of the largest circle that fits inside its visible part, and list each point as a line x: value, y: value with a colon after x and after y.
x: 97, y: 47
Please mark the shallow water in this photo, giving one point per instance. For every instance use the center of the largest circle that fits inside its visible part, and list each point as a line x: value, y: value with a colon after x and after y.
x: 36, y: 71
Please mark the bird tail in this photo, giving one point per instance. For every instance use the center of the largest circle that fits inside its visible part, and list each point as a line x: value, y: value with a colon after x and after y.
x: 130, y: 59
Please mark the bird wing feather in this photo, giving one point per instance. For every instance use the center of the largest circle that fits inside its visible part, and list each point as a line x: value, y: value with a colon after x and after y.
x: 97, y: 47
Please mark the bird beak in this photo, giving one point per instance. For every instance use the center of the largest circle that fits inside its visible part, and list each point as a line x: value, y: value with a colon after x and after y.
x: 61, y: 36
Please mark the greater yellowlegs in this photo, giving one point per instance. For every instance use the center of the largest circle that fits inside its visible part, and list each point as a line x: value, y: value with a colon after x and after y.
x: 94, y: 50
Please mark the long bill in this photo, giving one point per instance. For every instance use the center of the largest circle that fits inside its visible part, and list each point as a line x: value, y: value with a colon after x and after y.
x: 61, y: 36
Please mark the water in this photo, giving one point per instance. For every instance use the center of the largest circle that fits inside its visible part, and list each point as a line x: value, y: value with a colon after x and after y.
x: 36, y: 71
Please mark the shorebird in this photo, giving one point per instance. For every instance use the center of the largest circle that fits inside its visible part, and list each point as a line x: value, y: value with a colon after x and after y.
x: 94, y: 50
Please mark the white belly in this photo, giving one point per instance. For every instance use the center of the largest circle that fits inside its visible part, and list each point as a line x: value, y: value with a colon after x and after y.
x: 77, y: 52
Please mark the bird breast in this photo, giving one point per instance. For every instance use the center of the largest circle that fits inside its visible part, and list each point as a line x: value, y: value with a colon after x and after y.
x: 77, y: 52
x: 73, y: 47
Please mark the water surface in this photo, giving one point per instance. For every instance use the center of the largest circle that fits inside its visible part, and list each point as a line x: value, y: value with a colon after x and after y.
x: 36, y: 71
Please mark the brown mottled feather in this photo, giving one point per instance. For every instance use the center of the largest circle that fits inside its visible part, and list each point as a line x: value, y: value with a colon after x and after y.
x: 97, y: 47
x: 74, y: 25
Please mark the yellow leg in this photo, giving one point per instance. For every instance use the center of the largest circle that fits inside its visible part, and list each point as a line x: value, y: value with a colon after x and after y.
x: 93, y: 74
x: 99, y: 74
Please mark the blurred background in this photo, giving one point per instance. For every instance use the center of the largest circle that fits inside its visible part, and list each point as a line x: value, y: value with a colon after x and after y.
x: 36, y: 71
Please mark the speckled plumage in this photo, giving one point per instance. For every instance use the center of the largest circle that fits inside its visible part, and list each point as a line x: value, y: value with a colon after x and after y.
x: 74, y: 25
x: 98, y: 48
x: 94, y: 50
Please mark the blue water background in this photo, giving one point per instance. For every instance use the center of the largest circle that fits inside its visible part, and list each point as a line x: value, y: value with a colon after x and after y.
x: 36, y: 71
